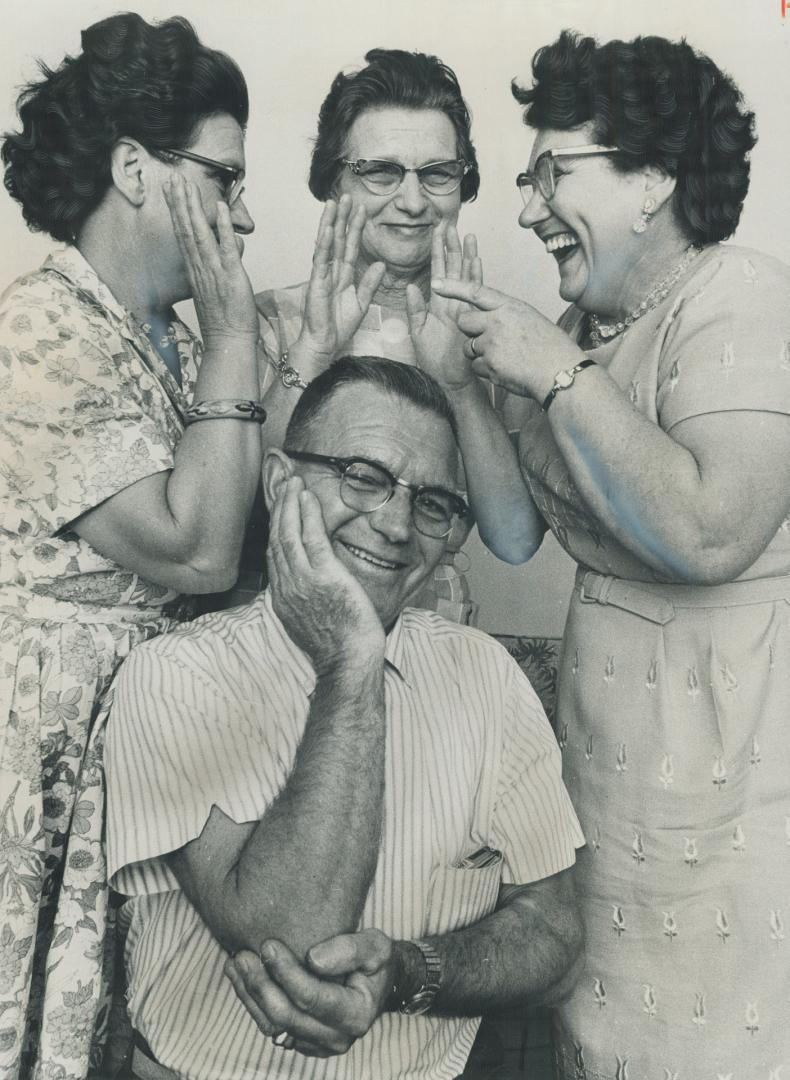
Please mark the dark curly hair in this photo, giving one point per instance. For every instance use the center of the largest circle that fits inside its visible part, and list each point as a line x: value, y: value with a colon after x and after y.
x: 392, y: 77
x: 153, y: 83
x: 661, y: 103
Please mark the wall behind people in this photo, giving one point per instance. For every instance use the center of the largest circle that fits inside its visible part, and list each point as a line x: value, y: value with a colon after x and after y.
x: 290, y: 53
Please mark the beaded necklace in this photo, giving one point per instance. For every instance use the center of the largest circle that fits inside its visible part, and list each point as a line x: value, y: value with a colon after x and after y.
x: 599, y: 331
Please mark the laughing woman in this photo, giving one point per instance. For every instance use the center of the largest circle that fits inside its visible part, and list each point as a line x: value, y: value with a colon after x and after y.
x: 656, y: 447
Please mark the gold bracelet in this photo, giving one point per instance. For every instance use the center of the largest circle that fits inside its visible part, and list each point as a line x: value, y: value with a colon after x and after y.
x: 289, y: 376
x: 225, y: 409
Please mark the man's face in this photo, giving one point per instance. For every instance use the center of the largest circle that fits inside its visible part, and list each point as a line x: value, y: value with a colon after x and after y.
x: 383, y: 550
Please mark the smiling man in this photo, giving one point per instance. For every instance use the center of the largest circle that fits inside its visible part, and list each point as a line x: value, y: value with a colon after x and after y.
x: 356, y: 800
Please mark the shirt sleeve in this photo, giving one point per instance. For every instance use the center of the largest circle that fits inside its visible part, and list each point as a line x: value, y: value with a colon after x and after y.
x: 727, y: 340
x: 73, y: 424
x: 176, y: 747
x: 535, y: 826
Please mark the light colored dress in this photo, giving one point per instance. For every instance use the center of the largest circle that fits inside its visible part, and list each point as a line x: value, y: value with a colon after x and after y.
x: 673, y: 710
x: 282, y: 315
x: 88, y: 408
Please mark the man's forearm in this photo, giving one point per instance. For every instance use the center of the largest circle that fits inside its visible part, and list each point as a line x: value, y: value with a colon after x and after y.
x: 303, y: 873
x: 526, y: 952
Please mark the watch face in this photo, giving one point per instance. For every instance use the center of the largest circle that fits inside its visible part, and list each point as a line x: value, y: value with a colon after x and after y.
x: 564, y: 379
x: 420, y: 1003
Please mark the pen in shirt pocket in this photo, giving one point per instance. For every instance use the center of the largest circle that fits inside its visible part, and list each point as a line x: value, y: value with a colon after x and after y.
x: 476, y: 860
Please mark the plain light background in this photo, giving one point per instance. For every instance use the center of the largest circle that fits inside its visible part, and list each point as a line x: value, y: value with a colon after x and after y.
x: 289, y: 53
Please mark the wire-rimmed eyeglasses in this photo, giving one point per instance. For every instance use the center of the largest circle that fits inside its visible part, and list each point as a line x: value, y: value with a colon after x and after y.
x: 231, y: 179
x: 367, y: 486
x: 544, y: 177
x: 385, y: 177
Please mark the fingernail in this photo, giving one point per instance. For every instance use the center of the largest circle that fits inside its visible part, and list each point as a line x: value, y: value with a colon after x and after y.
x: 269, y: 951
x: 317, y: 955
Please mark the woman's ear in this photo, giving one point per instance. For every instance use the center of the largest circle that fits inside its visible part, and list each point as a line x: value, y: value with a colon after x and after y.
x: 659, y: 185
x: 277, y: 468
x: 128, y: 162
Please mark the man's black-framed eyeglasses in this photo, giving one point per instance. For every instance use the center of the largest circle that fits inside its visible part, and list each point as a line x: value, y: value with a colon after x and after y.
x: 231, y: 178
x: 366, y: 486
x: 385, y: 177
x: 544, y: 176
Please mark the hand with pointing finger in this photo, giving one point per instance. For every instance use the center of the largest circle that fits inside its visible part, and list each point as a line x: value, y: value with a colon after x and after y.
x: 509, y: 342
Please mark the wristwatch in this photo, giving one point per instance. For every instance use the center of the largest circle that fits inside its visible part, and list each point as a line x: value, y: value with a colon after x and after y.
x: 421, y: 1001
x: 564, y: 379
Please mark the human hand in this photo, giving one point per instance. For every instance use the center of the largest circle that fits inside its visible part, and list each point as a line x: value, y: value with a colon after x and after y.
x: 324, y: 609
x: 335, y: 304
x: 325, y: 1004
x: 508, y: 341
x: 438, y: 341
x: 221, y: 290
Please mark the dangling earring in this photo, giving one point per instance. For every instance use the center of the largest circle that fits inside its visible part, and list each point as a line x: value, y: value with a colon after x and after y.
x: 644, y: 220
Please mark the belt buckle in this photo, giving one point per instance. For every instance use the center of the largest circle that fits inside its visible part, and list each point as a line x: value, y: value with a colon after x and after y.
x: 601, y: 598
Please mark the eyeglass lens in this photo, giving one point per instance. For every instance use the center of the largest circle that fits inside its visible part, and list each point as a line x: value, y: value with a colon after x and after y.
x: 366, y: 488
x: 385, y: 177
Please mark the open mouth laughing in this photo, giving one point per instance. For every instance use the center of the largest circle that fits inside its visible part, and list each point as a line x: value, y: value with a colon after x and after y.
x: 561, y: 245
x: 371, y: 560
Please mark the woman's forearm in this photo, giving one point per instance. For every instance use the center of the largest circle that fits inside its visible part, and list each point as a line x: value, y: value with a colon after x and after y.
x: 507, y: 518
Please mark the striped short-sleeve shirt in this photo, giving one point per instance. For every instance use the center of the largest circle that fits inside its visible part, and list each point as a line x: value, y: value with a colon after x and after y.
x: 213, y: 713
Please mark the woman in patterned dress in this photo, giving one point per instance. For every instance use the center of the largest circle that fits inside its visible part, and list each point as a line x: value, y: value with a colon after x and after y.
x: 656, y: 446
x: 394, y: 146
x: 111, y: 512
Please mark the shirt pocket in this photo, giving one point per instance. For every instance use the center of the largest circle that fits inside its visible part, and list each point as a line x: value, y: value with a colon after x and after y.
x: 459, y: 898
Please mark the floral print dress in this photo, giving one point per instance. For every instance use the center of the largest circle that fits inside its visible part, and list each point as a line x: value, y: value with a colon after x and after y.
x: 88, y: 408
x: 672, y: 715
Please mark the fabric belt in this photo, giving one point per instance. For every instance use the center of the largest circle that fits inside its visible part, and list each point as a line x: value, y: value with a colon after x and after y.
x: 144, y: 1064
x: 658, y: 603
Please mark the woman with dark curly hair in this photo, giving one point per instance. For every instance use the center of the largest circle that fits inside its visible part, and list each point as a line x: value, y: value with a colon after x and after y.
x: 128, y: 467
x: 655, y: 445
x: 394, y: 147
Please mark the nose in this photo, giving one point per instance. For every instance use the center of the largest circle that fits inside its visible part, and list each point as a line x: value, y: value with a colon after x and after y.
x: 394, y: 519
x: 241, y: 218
x: 535, y: 211
x: 410, y: 196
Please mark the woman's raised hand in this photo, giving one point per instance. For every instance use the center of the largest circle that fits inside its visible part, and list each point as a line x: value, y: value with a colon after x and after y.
x: 437, y: 338
x: 221, y: 290
x: 336, y: 304
x: 508, y: 341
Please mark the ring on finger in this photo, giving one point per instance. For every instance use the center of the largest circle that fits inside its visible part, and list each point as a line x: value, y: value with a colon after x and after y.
x: 283, y: 1040
x: 473, y: 347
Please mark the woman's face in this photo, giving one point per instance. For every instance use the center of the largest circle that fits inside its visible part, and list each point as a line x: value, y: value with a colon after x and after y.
x: 587, y: 224
x: 399, y: 226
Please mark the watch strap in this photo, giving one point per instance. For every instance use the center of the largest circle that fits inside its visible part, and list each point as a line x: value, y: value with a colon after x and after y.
x: 423, y: 999
x: 570, y: 375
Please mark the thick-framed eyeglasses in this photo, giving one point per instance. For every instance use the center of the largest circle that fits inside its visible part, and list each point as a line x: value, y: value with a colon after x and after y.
x: 385, y: 177
x: 367, y: 486
x: 544, y: 177
x: 230, y: 178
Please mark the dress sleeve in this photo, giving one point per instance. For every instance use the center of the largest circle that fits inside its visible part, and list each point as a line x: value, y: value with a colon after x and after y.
x: 535, y: 826
x: 727, y: 340
x: 74, y: 425
x: 176, y: 747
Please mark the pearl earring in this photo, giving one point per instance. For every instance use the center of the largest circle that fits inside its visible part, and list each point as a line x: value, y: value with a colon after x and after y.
x: 644, y: 219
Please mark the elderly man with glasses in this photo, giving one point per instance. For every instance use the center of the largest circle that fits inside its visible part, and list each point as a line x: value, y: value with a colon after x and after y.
x: 340, y: 820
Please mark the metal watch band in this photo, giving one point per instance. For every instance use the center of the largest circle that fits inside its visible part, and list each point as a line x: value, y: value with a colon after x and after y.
x: 565, y: 379
x: 423, y: 999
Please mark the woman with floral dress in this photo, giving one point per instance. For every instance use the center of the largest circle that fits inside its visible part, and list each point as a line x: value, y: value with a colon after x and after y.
x: 115, y: 502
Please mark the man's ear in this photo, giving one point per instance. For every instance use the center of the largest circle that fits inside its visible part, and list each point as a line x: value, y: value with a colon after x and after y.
x: 130, y: 166
x: 277, y: 468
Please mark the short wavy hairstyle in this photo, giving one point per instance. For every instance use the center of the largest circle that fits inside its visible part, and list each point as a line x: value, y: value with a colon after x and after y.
x: 390, y: 376
x: 391, y: 78
x: 660, y: 103
x: 155, y: 83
